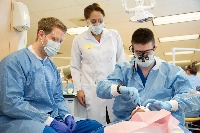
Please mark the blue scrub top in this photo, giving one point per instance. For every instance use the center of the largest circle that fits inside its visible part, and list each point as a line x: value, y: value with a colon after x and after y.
x: 141, y: 74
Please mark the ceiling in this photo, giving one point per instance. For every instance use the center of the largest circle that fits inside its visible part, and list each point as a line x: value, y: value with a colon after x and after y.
x: 71, y: 11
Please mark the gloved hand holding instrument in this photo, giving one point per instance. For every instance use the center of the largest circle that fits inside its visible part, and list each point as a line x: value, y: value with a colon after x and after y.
x: 132, y: 92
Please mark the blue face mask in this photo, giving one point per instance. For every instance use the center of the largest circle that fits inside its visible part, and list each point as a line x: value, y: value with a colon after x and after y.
x: 146, y: 63
x: 96, y: 29
x: 52, y: 48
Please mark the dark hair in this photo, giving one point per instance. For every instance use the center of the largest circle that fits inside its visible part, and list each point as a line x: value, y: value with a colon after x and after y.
x: 143, y: 36
x: 192, y: 71
x: 94, y: 7
x: 47, y: 25
x: 69, y: 76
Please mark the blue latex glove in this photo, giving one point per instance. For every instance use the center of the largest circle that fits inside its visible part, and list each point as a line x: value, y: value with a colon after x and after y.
x: 60, y: 127
x: 132, y: 92
x: 69, y: 121
x: 155, y: 105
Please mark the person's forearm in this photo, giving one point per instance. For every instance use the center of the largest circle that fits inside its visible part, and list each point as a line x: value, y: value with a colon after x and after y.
x: 104, y: 90
x: 188, y: 102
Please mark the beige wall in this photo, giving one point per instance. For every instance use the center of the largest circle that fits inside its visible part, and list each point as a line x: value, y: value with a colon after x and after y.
x: 9, y: 38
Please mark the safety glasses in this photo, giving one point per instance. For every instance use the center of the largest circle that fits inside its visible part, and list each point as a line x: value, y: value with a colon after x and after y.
x: 94, y: 21
x: 139, y: 53
x: 146, y: 52
x: 56, y: 37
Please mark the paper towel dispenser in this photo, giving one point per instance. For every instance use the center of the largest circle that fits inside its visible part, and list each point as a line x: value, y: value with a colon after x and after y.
x: 21, y: 18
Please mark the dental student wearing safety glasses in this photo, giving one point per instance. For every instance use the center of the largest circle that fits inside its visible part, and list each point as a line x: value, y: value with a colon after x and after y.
x: 148, y: 81
x: 93, y: 56
x: 31, y: 96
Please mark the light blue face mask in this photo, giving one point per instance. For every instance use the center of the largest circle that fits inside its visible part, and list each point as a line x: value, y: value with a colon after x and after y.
x: 96, y: 29
x: 146, y: 63
x: 52, y: 48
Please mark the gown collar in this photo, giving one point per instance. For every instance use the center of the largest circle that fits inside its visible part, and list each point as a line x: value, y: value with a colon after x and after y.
x: 31, y: 49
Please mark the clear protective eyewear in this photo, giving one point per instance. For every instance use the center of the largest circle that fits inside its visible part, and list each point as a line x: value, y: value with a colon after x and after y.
x: 56, y: 37
x: 142, y: 53
x: 94, y: 21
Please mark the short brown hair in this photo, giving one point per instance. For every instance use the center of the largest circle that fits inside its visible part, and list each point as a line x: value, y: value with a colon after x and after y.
x: 47, y: 25
x: 94, y: 7
x: 69, y: 76
x: 143, y: 36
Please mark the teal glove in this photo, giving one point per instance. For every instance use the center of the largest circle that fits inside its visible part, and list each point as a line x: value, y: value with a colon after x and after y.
x: 131, y: 92
x: 155, y: 105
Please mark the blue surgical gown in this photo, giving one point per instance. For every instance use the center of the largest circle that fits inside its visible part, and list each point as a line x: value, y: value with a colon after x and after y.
x: 195, y: 82
x: 164, y: 82
x: 31, y: 91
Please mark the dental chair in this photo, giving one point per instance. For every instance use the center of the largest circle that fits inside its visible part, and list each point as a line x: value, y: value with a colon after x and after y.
x: 190, y: 125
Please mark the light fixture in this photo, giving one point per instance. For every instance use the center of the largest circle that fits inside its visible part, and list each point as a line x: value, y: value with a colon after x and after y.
x: 177, y: 18
x: 197, y: 64
x: 76, y: 31
x: 179, y: 53
x: 179, y: 38
x: 181, y: 61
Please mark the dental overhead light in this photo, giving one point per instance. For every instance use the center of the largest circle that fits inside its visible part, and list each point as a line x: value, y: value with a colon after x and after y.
x: 141, y: 15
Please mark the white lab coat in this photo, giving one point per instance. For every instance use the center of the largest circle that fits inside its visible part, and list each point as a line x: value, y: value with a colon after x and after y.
x: 91, y: 62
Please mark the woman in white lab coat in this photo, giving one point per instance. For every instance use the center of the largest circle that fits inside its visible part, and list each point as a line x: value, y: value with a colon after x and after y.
x: 93, y: 57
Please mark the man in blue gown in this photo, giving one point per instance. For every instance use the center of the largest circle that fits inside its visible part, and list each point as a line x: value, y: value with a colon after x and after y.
x: 31, y: 97
x: 148, y: 81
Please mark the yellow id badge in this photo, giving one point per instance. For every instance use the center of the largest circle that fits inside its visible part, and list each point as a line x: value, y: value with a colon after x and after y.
x: 89, y: 46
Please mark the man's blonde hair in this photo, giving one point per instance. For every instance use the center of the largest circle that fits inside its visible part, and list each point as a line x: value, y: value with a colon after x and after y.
x: 47, y: 25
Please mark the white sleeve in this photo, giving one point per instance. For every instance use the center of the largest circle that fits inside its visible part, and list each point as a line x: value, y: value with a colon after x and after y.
x: 75, y: 65
x: 174, y: 104
x: 120, y: 49
x: 114, y: 90
x: 48, y: 121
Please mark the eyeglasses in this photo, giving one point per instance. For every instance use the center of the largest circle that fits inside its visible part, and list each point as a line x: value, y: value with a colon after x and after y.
x: 94, y: 21
x: 146, y: 52
x: 56, y: 37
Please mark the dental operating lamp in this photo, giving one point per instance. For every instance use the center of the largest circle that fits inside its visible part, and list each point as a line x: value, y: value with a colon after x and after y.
x: 140, y: 13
